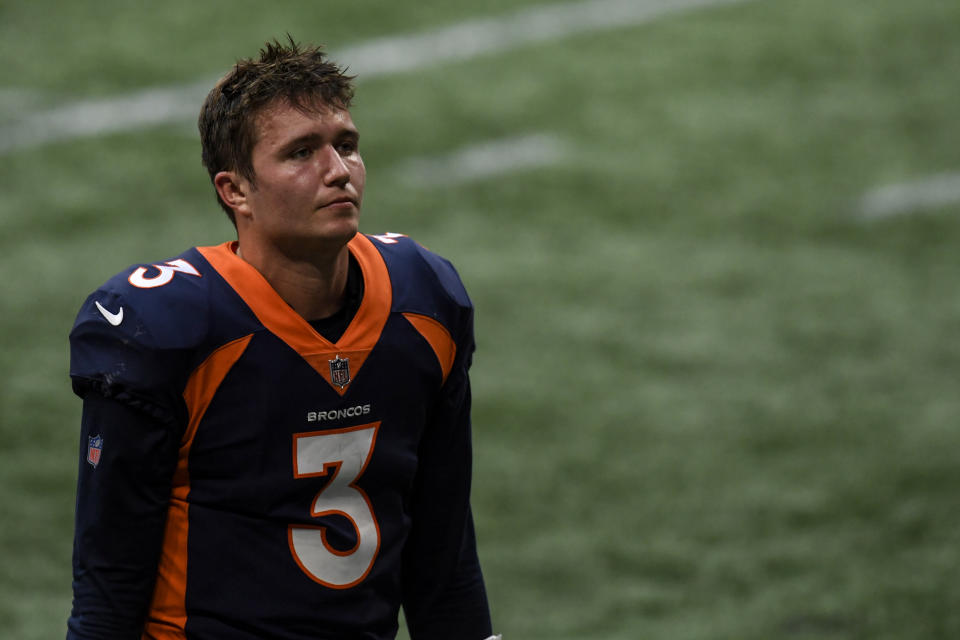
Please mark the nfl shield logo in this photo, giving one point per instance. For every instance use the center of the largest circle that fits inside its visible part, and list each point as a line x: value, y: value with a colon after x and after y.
x: 340, y: 371
x: 94, y: 449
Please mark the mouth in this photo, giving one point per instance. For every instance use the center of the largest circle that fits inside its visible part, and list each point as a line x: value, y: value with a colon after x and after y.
x: 343, y: 201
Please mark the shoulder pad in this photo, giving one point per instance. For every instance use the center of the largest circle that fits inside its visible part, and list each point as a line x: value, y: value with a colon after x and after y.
x: 418, y: 274
x: 136, y: 330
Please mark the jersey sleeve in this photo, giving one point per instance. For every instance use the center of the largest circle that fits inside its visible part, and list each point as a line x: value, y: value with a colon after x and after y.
x: 444, y: 593
x: 127, y: 458
x: 133, y: 415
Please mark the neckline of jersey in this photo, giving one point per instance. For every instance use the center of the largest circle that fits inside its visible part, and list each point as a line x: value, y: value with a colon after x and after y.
x: 279, y: 318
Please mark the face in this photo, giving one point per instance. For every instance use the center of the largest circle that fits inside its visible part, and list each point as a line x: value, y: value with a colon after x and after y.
x: 309, y: 180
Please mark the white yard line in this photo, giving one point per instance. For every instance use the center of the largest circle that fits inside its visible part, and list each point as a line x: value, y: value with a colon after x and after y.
x: 484, y: 160
x: 14, y: 100
x: 87, y: 118
x: 384, y: 56
x: 478, y: 37
x: 910, y: 197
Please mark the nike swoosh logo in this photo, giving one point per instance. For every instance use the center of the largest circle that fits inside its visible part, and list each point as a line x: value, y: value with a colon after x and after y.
x: 113, y: 318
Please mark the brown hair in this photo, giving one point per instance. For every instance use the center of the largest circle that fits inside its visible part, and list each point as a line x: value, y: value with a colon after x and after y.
x: 301, y: 77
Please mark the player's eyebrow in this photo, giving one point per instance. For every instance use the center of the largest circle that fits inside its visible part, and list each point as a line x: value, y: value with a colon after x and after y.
x: 306, y: 139
x: 347, y: 133
x: 312, y: 139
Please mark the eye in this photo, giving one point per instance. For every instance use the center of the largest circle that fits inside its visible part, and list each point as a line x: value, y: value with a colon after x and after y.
x: 347, y: 147
x: 300, y: 153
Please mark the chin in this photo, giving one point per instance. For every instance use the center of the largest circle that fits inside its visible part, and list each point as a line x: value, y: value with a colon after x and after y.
x: 336, y: 234
x: 346, y: 229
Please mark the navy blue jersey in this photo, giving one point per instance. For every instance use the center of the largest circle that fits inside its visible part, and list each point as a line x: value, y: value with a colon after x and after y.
x: 243, y: 477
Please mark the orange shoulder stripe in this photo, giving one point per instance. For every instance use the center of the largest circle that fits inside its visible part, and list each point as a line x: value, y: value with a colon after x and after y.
x: 439, y: 338
x: 168, y: 614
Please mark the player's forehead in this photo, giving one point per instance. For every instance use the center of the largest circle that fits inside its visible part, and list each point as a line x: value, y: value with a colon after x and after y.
x: 281, y: 120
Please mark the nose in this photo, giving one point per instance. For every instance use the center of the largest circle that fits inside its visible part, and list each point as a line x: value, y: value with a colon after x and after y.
x: 335, y: 171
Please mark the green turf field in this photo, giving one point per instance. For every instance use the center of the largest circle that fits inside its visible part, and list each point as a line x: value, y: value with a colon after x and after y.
x: 713, y: 400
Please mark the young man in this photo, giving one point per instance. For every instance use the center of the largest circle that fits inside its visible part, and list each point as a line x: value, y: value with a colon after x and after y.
x: 276, y: 431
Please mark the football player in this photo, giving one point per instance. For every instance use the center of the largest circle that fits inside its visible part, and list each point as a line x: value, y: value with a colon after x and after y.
x: 276, y: 430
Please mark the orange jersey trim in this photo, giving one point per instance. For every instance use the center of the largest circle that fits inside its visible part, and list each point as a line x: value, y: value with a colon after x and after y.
x: 168, y: 613
x: 280, y: 319
x: 439, y: 338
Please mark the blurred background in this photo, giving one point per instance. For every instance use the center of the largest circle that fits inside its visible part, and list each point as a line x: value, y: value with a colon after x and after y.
x: 712, y: 245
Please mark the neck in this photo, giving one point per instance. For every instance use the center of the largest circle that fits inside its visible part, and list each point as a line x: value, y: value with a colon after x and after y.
x: 314, y: 288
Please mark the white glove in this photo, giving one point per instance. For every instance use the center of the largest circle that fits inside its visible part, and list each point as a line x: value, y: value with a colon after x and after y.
x: 496, y: 637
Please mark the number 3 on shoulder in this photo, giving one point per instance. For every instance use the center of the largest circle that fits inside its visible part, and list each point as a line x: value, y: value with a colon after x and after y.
x: 343, y: 455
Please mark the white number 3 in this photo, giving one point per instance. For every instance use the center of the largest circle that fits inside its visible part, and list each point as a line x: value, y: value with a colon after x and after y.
x: 165, y: 273
x: 344, y: 453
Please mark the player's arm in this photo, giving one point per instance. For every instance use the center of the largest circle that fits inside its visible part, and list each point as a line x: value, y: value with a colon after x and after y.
x: 133, y: 413
x: 444, y: 594
x: 120, y: 516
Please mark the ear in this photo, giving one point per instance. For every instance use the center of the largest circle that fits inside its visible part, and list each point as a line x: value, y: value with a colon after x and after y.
x: 233, y: 189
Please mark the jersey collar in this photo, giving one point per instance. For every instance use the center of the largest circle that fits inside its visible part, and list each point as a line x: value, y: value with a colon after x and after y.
x: 280, y: 319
